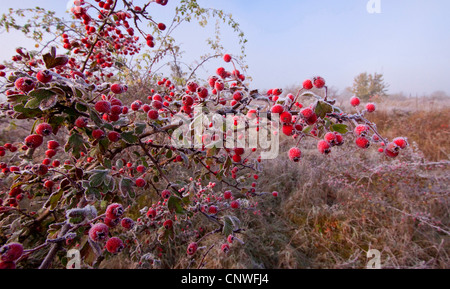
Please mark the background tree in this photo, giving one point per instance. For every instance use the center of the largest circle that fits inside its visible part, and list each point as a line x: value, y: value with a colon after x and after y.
x: 367, y: 86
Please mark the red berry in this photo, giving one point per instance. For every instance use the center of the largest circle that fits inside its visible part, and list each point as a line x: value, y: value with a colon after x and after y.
x: 295, y: 154
x: 235, y: 205
x: 127, y: 223
x: 117, y: 88
x: 286, y: 117
x: 370, y: 107
x: 11, y: 252
x: 277, y: 109
x: 237, y: 158
x: 238, y: 96
x: 227, y: 57
x: 225, y: 248
x: 165, y: 194
x: 401, y: 142
x: 98, y: 134
x: 324, y: 147
x: 192, y: 248
x: 153, y: 114
x: 140, y: 183
x: 227, y: 195
x: 44, y: 129
x: 113, y: 136
x: 361, y: 130
x: 330, y: 137
x: 307, y: 84
x: 339, y: 139
x: 275, y: 194
x: 168, y: 224
x: 50, y: 153
x: 98, y: 232
x: 49, y: 184
x: 111, y: 223
x: 44, y: 76
x: 213, y: 210
x: 151, y: 213
x: 319, y: 82
x: 114, y: 245
x: 354, y: 101
x: 114, y: 211
x: 103, y: 106
x: 34, y: 141
x: 24, y: 84
x: 392, y: 150
x: 162, y: 26
x: 362, y: 142
x: 288, y: 130
x: 81, y: 122
x: 52, y: 145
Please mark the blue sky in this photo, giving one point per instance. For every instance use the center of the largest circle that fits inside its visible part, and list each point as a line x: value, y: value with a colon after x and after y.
x: 290, y: 40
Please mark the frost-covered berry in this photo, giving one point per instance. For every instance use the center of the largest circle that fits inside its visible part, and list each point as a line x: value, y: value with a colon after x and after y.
x: 235, y: 204
x: 192, y: 248
x: 277, y: 109
x: 11, y: 252
x: 127, y: 223
x: 354, y: 101
x: 295, y: 154
x: 168, y: 224
x: 24, y: 84
x: 98, y: 134
x: 227, y: 195
x: 230, y: 239
x: 114, y: 211
x: 114, y: 245
x: 103, y: 106
x: 112, y: 223
x: 44, y: 129
x: 165, y: 194
x: 117, y: 88
x: 34, y: 141
x: 225, y: 248
x: 81, y: 122
x: 98, y: 232
x: 114, y: 136
x: 324, y: 147
x: 140, y: 183
x: 213, y: 210
x: 319, y: 82
x: 330, y: 137
x: 392, y: 150
x: 362, y: 142
x: 52, y: 145
x: 401, y: 142
x: 370, y: 107
x: 307, y: 84
x: 361, y: 130
x: 44, y: 76
x: 151, y: 213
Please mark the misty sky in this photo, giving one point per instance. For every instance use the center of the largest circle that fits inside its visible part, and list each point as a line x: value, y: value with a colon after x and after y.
x: 290, y: 40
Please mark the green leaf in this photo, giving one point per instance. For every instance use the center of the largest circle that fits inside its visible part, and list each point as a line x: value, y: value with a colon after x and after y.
x: 129, y: 137
x: 140, y: 128
x: 308, y: 129
x: 340, y: 128
x: 126, y: 187
x: 54, y: 199
x: 97, y: 179
x: 323, y: 108
x: 94, y: 116
x: 76, y: 144
x: 169, y: 154
x: 175, y: 204
x: 227, y: 226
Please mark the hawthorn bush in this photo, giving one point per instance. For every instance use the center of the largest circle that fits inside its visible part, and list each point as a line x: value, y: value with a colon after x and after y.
x: 108, y: 168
